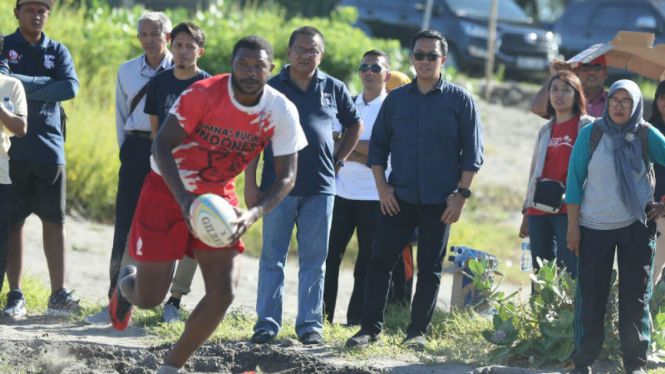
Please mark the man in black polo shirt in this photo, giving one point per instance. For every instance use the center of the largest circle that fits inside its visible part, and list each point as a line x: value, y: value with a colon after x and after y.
x: 431, y: 130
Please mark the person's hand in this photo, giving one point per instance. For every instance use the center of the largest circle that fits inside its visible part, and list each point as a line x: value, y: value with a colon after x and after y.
x: 657, y: 210
x: 524, y: 227
x: 573, y: 239
x: 337, y: 167
x: 252, y: 194
x: 454, y: 206
x: 245, y: 220
x: 389, y: 205
x: 185, y: 202
x: 556, y: 66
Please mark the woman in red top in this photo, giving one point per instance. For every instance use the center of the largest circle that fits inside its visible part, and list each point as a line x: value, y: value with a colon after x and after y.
x: 545, y: 223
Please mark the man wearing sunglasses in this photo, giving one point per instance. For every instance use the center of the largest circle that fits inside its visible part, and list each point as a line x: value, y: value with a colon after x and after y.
x: 356, y: 201
x: 592, y: 75
x: 432, y: 133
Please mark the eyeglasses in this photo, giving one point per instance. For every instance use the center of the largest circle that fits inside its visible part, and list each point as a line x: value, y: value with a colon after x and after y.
x: 432, y: 56
x: 31, y: 11
x: 596, y: 67
x: 375, y: 68
x: 625, y: 103
x: 302, y: 51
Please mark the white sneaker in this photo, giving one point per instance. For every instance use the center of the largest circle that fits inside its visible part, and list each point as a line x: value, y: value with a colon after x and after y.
x: 171, y: 314
x: 101, y: 318
x: 15, y: 307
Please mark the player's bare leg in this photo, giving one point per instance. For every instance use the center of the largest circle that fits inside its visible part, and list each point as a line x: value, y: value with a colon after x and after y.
x: 220, y: 271
x: 148, y: 287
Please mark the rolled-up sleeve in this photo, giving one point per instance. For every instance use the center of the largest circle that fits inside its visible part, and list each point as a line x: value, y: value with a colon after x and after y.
x: 471, y: 136
x: 379, y: 143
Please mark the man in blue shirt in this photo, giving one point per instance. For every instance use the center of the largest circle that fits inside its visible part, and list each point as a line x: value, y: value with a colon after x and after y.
x: 37, y: 160
x: 320, y: 99
x: 431, y: 130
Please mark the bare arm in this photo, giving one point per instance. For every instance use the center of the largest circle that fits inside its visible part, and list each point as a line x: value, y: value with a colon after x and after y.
x: 170, y: 136
x: 286, y: 168
x: 574, y: 235
x: 349, y: 140
x: 539, y: 102
x: 154, y: 125
x: 17, y: 125
x: 389, y: 204
x: 455, y: 202
x: 252, y: 192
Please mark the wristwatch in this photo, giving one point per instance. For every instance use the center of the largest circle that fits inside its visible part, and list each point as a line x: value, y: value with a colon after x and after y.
x: 338, y: 162
x: 465, y: 192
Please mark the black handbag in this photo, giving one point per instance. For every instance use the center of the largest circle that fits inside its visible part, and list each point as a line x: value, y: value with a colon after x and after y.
x: 549, y: 195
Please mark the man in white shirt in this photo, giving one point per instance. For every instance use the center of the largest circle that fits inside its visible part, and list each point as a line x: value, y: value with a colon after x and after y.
x: 133, y: 132
x: 357, y: 201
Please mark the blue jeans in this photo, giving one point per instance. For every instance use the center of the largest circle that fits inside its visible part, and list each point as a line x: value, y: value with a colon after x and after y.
x: 548, y: 241
x: 312, y: 216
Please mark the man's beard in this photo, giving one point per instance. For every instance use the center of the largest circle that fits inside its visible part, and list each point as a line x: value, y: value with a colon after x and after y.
x: 237, y: 86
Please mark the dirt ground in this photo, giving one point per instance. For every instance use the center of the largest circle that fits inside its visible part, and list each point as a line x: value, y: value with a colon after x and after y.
x: 55, y: 347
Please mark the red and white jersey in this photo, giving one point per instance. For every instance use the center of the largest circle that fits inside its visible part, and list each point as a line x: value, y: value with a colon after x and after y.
x: 224, y: 136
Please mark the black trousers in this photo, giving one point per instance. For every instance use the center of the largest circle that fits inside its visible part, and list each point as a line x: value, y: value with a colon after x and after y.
x: 349, y: 216
x: 391, y: 237
x: 134, y: 167
x: 635, y: 246
x: 4, y: 230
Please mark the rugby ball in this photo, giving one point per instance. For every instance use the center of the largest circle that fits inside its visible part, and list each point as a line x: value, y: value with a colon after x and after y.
x: 212, y: 219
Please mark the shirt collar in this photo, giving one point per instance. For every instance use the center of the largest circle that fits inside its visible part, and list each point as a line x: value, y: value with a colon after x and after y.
x: 438, y: 87
x: 378, y: 100
x: 166, y: 62
x: 284, y: 74
x: 43, y: 41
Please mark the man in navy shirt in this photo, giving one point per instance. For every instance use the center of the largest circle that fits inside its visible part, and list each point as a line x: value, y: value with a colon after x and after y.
x: 431, y: 130
x: 320, y: 99
x: 37, y: 160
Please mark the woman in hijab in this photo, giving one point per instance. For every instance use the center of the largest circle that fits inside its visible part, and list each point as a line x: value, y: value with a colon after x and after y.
x: 610, y: 208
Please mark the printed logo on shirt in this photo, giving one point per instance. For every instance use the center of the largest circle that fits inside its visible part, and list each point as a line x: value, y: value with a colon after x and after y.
x: 326, y: 99
x: 49, y: 61
x: 566, y: 140
x: 13, y: 57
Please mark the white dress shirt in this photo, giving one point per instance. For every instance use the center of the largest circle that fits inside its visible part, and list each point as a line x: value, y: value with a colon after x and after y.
x: 132, y: 76
x: 355, y: 181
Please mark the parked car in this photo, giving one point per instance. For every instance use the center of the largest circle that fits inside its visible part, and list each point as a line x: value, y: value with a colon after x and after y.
x: 522, y: 45
x: 586, y: 23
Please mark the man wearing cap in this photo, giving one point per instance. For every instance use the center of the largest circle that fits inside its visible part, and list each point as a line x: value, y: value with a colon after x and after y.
x: 37, y: 160
x: 592, y: 75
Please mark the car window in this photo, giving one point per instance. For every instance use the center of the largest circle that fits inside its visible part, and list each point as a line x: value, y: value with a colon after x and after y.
x: 507, y: 11
x: 610, y: 17
x: 635, y: 13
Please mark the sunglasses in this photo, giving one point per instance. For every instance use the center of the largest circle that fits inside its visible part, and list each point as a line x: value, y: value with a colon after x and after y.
x: 596, y: 67
x: 432, y: 56
x: 375, y: 68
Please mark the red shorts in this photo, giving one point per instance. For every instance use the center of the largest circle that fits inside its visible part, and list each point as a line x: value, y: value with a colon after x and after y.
x: 159, y: 231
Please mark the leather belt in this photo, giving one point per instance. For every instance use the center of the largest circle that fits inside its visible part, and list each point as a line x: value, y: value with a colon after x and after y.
x: 140, y: 134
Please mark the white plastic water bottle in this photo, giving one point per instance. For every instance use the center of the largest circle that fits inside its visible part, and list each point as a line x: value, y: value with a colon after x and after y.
x: 8, y: 104
x: 525, y: 259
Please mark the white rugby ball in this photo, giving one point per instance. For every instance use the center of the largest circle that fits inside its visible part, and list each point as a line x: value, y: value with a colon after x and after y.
x: 211, y: 217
